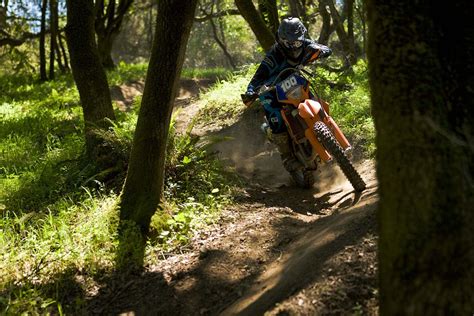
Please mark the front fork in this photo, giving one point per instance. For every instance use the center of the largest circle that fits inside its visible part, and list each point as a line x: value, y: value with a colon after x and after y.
x: 311, y: 112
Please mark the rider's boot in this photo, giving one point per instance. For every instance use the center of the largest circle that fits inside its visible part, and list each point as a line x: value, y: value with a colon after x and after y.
x: 282, y: 141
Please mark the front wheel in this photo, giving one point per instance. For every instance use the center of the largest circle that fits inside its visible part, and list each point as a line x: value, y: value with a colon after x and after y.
x: 326, y: 138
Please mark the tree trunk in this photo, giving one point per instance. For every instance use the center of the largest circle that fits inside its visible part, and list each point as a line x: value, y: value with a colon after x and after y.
x: 361, y: 10
x: 53, y: 11
x: 421, y: 57
x: 143, y: 187
x: 63, y: 51
x: 326, y: 27
x: 349, y: 6
x: 298, y: 9
x: 262, y: 32
x: 105, y: 43
x: 347, y: 45
x: 269, y: 13
x: 42, y: 48
x: 149, y: 27
x: 87, y: 71
x: 107, y: 26
x: 61, y: 66
x: 222, y: 45
x: 3, y: 15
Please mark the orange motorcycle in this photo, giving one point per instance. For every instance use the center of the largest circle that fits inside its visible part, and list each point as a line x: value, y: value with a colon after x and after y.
x: 315, y: 136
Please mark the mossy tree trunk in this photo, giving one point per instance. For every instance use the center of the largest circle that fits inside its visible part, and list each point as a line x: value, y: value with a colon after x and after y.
x: 88, y: 72
x: 144, y: 184
x: 263, y: 34
x: 421, y: 57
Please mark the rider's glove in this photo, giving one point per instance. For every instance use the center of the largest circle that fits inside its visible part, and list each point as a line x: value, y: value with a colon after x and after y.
x: 311, y: 55
x: 315, y: 51
x: 248, y: 97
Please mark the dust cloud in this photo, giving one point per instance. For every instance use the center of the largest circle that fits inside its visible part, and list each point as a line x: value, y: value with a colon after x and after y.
x: 258, y: 160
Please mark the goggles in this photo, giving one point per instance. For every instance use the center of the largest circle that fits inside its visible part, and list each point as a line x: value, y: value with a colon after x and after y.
x: 292, y: 44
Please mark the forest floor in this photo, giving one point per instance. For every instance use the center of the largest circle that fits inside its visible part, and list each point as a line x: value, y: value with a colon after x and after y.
x: 278, y: 250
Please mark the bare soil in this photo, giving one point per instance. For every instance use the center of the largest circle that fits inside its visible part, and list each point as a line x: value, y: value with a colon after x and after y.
x: 279, y: 250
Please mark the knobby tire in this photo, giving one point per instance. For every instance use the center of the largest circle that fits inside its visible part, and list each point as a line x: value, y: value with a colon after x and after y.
x: 326, y: 138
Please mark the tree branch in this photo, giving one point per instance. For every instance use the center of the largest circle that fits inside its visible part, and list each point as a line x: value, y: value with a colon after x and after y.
x: 216, y: 15
x: 13, y: 42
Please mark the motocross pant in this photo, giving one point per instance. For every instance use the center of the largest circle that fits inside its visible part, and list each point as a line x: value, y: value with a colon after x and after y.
x: 279, y: 135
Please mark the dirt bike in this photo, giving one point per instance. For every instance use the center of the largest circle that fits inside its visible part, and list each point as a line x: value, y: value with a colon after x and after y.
x: 314, y: 134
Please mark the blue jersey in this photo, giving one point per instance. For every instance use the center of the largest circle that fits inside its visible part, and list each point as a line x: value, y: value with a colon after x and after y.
x: 275, y: 61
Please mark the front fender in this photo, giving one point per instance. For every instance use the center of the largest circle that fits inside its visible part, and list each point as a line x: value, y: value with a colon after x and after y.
x: 309, y: 109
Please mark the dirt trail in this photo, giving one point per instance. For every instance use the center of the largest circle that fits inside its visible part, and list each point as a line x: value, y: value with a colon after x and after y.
x: 279, y: 250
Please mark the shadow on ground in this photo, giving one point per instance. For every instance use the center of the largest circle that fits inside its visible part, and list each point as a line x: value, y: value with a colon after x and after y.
x: 223, y: 280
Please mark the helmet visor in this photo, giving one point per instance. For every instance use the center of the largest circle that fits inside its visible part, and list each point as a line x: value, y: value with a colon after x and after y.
x: 292, y: 44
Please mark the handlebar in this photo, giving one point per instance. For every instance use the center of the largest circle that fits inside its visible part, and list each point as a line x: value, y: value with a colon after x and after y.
x: 248, y: 99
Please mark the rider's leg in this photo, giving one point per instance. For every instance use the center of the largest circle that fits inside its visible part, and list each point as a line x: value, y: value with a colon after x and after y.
x: 282, y: 141
x: 279, y: 135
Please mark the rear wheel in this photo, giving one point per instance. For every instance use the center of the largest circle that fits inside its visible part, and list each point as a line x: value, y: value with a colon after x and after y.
x: 326, y: 138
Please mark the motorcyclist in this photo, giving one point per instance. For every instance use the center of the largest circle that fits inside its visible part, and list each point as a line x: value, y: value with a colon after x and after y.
x: 290, y: 50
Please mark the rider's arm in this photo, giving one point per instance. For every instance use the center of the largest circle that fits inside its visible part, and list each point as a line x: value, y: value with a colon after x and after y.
x: 265, y: 70
x: 314, y: 51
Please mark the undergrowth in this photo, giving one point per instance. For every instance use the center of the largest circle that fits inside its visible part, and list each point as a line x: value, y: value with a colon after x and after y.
x: 58, y: 224
x: 221, y: 104
x: 135, y: 72
x: 348, y: 94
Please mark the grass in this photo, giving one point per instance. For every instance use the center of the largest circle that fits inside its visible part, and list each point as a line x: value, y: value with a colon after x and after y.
x: 58, y: 223
x: 222, y: 102
x: 133, y: 72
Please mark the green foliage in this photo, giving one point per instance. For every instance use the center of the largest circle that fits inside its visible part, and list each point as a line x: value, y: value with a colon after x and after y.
x: 19, y: 59
x: 222, y: 102
x: 124, y: 72
x: 39, y: 248
x: 58, y: 211
x: 203, y: 50
x: 197, y: 186
x: 348, y: 94
x: 40, y: 132
x: 205, y: 73
x: 134, y: 42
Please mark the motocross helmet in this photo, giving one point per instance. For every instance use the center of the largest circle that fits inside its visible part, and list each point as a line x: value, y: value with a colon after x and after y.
x: 290, y: 36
